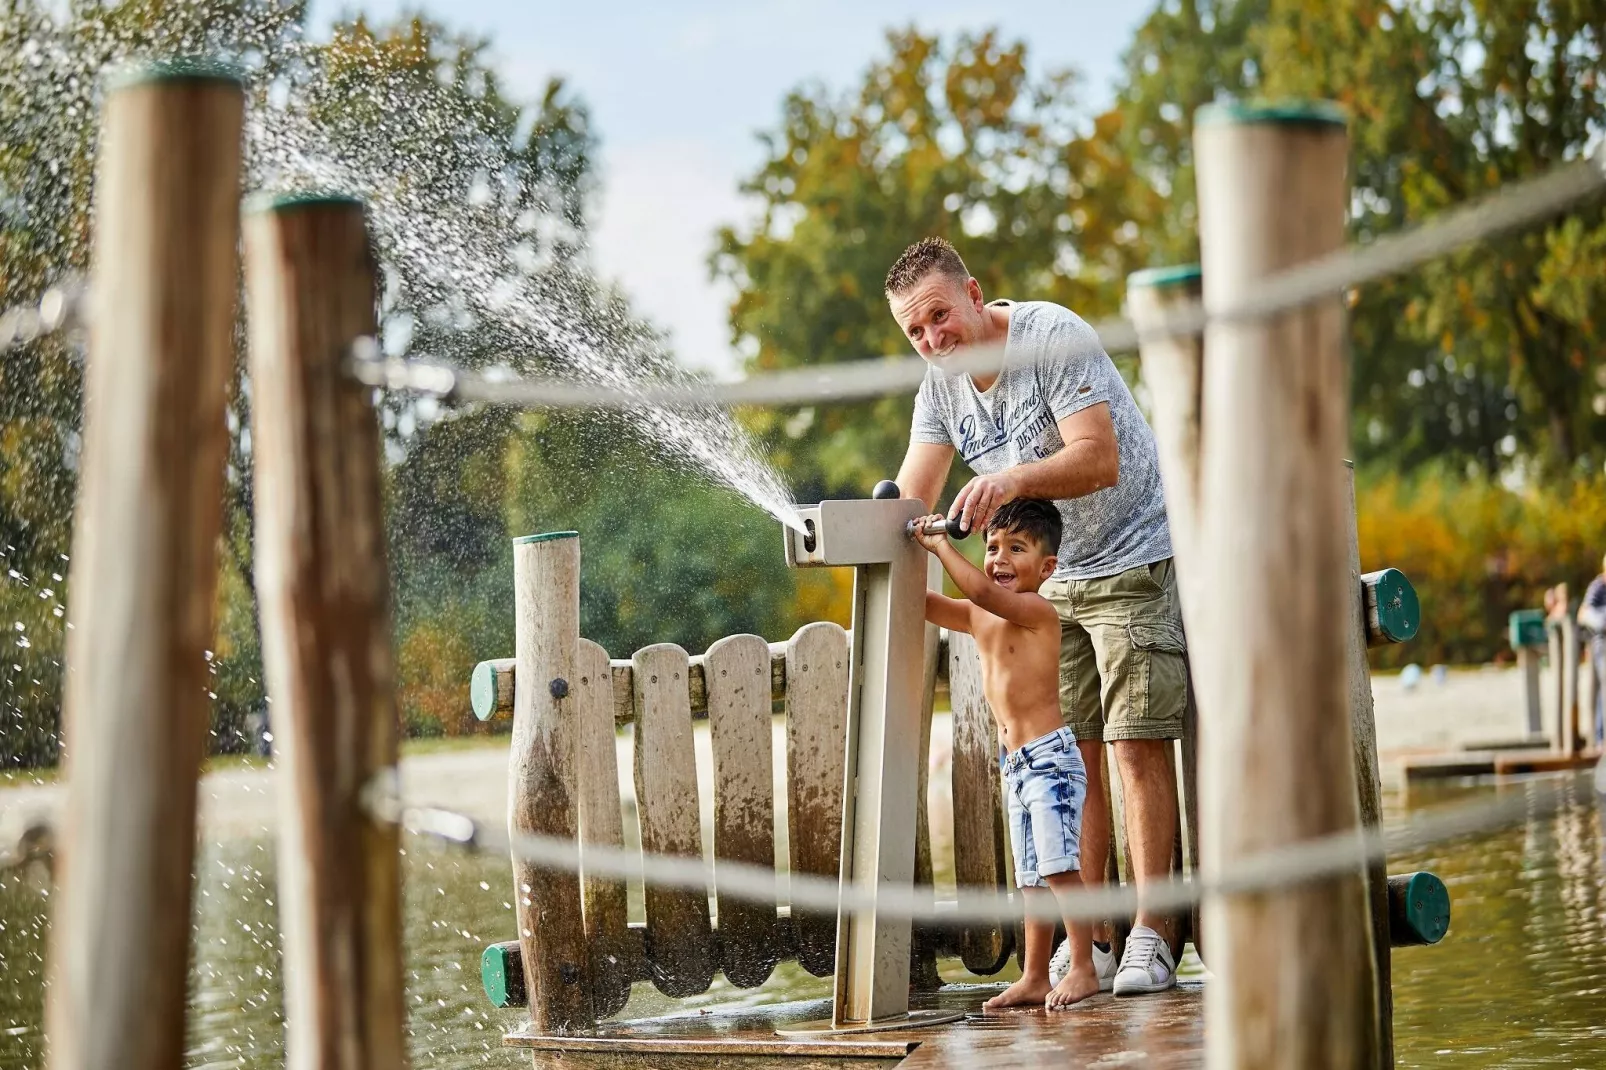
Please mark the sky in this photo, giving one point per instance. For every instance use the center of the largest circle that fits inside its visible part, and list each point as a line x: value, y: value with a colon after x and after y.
x: 678, y: 91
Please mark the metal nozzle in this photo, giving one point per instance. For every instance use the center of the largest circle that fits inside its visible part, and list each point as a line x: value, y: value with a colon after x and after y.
x: 950, y: 525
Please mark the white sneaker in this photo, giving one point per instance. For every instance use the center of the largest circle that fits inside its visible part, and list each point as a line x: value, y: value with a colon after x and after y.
x: 1103, y: 965
x: 1146, y: 964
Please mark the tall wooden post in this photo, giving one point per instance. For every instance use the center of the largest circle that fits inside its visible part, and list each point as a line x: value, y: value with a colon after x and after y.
x: 326, y: 634
x: 144, y: 564
x: 1295, y: 978
x: 1173, y: 372
x: 543, y: 798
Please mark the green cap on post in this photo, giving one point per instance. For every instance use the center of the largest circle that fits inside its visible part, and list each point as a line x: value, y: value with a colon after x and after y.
x: 502, y: 974
x: 174, y: 69
x: 482, y: 690
x: 1399, y: 612
x: 1291, y: 112
x: 1419, y: 909
x: 289, y: 200
x: 1527, y: 628
x: 1175, y: 275
x: 549, y: 536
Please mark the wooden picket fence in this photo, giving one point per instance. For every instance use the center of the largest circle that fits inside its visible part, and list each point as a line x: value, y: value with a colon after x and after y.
x: 740, y: 684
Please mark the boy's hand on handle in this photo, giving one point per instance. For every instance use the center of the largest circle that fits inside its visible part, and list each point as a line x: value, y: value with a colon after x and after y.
x: 934, y: 538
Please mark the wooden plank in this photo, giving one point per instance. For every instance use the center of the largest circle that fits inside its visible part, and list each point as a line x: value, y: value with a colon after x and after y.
x: 491, y: 686
x: 607, y: 914
x: 543, y: 794
x: 923, y: 975
x: 1294, y: 983
x: 326, y: 631
x: 1368, y: 778
x: 737, y: 669
x: 1188, y: 802
x: 816, y: 749
x: 144, y: 567
x: 679, y: 936
x: 980, y: 858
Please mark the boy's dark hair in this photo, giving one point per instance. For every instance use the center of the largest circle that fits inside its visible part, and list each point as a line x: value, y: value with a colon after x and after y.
x: 921, y: 259
x: 1032, y: 517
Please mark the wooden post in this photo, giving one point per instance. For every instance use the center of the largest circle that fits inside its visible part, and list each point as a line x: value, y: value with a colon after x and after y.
x: 326, y: 634
x: 144, y: 564
x: 1567, y: 689
x: 1295, y: 980
x: 1173, y: 372
x: 1368, y: 617
x: 543, y: 799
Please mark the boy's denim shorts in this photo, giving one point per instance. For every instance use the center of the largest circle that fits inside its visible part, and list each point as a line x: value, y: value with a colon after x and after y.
x: 1045, y: 784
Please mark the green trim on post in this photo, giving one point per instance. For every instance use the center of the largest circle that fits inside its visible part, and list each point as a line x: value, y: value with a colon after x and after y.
x: 1527, y: 628
x: 1421, y: 909
x: 1399, y: 611
x: 288, y: 200
x: 1295, y: 112
x: 175, y: 69
x: 1175, y: 275
x: 502, y: 974
x: 549, y: 536
x: 482, y: 690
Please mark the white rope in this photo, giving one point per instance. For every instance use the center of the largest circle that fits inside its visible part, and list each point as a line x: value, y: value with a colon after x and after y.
x: 1511, y: 207
x: 1292, y: 864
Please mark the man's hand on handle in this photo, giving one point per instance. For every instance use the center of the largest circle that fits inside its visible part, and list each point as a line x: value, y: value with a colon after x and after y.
x: 983, y: 496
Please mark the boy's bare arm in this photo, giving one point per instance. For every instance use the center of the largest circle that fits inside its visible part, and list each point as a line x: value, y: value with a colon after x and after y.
x: 1027, y: 610
x: 945, y: 612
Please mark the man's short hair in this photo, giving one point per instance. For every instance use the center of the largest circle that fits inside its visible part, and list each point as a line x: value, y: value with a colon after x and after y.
x: 921, y: 259
x: 1032, y: 517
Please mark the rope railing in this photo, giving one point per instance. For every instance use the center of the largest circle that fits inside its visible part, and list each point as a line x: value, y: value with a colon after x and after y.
x: 1293, y: 864
x: 1509, y: 208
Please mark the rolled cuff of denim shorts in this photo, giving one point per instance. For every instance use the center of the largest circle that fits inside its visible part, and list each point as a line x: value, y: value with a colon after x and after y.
x: 1053, y: 867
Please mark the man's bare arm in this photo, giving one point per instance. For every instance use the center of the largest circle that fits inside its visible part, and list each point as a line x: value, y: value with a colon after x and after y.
x: 1090, y: 461
x: 945, y: 612
x: 924, y: 470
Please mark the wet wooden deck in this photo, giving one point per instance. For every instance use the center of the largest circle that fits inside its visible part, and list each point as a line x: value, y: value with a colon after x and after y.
x: 1162, y: 1031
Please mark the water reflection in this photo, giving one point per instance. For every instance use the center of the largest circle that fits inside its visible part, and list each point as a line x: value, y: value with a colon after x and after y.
x: 1519, y: 981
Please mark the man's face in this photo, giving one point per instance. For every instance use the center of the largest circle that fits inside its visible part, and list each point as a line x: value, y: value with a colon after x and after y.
x: 1016, y: 561
x: 939, y: 315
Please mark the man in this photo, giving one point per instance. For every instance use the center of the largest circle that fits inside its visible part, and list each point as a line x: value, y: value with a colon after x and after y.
x: 1051, y: 417
x: 1592, y: 617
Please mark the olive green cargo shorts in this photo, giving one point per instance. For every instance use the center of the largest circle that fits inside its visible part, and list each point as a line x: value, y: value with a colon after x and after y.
x: 1122, y: 673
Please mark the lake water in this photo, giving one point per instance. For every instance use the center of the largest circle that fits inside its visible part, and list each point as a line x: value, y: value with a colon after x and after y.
x: 1519, y: 981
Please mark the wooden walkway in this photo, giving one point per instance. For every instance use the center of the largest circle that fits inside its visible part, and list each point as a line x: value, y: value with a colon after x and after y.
x: 1164, y: 1031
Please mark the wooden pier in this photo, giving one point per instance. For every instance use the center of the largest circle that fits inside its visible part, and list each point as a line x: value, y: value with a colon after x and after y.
x: 1161, y: 1031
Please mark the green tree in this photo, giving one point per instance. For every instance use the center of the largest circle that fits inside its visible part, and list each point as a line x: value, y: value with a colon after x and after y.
x: 958, y: 138
x: 409, y: 103
x: 1472, y: 359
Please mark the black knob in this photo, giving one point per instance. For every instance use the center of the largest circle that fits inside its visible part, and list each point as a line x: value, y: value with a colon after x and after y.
x: 886, y: 489
x: 956, y: 530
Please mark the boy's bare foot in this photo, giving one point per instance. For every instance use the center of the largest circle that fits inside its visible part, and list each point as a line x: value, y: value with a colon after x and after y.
x: 1023, y: 993
x: 1074, y: 987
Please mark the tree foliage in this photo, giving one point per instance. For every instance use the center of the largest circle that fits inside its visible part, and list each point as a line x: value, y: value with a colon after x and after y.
x: 959, y: 138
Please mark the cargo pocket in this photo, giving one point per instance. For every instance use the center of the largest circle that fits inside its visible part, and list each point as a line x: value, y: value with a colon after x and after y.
x: 1158, y: 654
x: 1155, y: 635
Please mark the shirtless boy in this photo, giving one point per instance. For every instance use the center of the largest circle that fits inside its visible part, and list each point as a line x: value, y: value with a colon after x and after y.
x: 1017, y: 632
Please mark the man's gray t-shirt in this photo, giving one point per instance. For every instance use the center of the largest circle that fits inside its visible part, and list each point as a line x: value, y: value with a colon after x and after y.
x: 1054, y: 365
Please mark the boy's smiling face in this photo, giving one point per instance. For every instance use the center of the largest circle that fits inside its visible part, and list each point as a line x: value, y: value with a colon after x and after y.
x: 1017, y: 561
